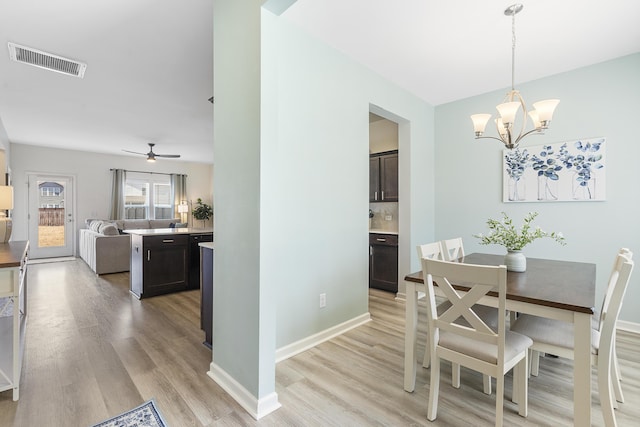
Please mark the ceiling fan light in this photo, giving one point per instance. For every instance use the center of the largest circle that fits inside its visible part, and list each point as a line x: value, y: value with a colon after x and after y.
x: 151, y: 159
x: 508, y: 112
x: 480, y: 122
x: 545, y: 109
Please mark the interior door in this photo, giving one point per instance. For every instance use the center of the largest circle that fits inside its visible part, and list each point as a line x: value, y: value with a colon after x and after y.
x: 51, y: 221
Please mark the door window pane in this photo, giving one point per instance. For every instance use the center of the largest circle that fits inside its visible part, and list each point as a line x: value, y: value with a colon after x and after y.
x: 51, y: 214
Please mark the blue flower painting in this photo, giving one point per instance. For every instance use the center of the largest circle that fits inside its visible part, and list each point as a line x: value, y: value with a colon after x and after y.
x: 566, y: 171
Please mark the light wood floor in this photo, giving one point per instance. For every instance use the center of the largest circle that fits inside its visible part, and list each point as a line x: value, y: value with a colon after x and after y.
x: 94, y: 351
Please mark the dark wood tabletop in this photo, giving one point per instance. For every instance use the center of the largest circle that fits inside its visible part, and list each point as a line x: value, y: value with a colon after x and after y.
x: 562, y: 284
x: 12, y: 253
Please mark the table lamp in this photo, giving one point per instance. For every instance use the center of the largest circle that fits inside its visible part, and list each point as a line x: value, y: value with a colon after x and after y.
x: 6, y: 203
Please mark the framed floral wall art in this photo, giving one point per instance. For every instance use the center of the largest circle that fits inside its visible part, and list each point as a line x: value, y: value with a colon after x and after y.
x: 559, y: 172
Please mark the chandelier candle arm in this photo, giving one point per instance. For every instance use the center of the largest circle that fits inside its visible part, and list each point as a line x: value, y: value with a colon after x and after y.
x: 508, y: 111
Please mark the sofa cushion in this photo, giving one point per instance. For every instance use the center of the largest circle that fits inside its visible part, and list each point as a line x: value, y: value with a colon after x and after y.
x: 108, y: 229
x: 134, y: 224
x: 161, y: 223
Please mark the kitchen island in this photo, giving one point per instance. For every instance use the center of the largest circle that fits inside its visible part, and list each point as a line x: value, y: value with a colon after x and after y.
x: 165, y: 260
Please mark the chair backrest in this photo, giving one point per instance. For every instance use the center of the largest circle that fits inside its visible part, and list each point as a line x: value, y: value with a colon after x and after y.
x: 480, y: 279
x: 431, y: 250
x: 618, y: 283
x: 453, y: 249
x: 613, y: 277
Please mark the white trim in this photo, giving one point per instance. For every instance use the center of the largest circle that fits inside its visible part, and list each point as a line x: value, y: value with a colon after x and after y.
x: 623, y: 325
x: 313, y: 340
x: 257, y: 408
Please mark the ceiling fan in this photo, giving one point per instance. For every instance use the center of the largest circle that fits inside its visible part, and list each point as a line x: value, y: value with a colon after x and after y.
x: 151, y: 156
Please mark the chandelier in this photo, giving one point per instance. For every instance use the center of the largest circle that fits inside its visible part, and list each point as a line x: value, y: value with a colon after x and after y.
x: 508, y: 110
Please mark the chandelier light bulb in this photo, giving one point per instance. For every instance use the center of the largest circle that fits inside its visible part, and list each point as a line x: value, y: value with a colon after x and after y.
x: 480, y: 123
x: 545, y: 110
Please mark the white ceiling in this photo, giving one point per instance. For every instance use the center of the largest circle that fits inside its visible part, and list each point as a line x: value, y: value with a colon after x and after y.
x: 150, y: 62
x: 448, y: 50
x: 149, y: 76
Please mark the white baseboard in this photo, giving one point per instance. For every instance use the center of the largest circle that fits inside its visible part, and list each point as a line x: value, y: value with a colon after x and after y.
x: 628, y: 326
x: 313, y: 340
x: 257, y: 408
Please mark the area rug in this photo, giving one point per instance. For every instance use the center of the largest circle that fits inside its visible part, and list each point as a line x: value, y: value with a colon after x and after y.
x: 145, y: 415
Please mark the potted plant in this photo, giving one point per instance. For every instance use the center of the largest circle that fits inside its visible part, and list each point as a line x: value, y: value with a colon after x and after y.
x: 202, y: 211
x: 504, y: 233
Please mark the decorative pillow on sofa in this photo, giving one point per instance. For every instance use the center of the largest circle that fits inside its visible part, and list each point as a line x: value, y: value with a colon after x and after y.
x: 108, y: 229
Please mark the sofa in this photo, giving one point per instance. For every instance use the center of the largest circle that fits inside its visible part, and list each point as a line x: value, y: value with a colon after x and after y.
x: 105, y: 247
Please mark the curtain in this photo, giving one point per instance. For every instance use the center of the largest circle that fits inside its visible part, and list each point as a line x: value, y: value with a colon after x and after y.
x: 179, y: 188
x: 118, y: 179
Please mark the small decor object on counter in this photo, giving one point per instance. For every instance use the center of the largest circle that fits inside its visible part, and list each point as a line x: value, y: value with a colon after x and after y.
x: 202, y: 212
x: 504, y: 233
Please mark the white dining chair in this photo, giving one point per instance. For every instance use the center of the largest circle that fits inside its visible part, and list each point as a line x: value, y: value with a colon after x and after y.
x: 556, y: 337
x: 475, y: 345
x: 453, y: 249
x: 489, y: 315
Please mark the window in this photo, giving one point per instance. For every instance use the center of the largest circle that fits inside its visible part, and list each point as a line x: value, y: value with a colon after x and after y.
x: 148, y: 196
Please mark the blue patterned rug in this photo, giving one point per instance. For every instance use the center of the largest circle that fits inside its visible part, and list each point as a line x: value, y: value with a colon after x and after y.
x: 145, y: 415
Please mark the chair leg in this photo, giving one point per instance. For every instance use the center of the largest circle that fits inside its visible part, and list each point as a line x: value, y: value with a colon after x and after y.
x: 615, y: 374
x: 499, y: 400
x: 434, y: 389
x: 455, y: 375
x: 521, y: 386
x: 605, y: 390
x: 535, y: 362
x: 486, y: 384
x: 427, y: 354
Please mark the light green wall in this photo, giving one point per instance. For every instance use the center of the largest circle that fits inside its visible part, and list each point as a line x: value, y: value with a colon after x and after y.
x: 243, y: 324
x: 599, y: 100
x: 319, y: 210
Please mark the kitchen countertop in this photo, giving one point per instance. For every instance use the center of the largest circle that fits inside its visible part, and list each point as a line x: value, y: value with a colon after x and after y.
x: 379, y: 231
x: 166, y: 231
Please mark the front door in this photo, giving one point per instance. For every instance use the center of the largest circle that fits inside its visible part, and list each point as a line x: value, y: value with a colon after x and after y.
x: 51, y: 208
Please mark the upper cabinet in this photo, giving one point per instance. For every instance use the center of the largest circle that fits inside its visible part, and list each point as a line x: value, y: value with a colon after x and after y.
x: 383, y: 177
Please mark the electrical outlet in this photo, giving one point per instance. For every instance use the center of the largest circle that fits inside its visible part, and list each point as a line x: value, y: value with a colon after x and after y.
x: 323, y: 300
x: 388, y: 217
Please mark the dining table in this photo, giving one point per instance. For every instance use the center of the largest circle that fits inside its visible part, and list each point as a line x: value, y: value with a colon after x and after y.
x: 555, y: 289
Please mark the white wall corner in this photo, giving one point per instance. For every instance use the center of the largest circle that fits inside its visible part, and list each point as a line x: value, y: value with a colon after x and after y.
x: 313, y: 340
x: 277, y: 7
x: 257, y: 408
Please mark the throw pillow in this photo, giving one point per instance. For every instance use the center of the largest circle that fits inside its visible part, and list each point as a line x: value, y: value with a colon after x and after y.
x: 181, y: 225
x: 108, y: 229
x: 95, y: 225
x: 172, y: 225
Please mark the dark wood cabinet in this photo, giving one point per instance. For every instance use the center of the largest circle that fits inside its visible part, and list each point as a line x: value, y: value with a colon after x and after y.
x: 383, y: 177
x: 383, y: 261
x: 165, y: 260
x: 206, y: 292
x: 194, y: 258
x: 159, y: 264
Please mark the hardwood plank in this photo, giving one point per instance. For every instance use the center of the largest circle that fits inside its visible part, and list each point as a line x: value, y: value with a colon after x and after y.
x: 93, y: 350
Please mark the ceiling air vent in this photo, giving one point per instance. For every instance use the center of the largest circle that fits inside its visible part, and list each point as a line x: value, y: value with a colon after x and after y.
x: 46, y: 60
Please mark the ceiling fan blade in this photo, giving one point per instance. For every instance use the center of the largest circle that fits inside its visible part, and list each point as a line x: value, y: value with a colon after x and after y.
x: 135, y: 152
x: 175, y: 156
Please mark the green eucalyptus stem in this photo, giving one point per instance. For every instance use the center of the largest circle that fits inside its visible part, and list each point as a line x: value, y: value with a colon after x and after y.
x: 504, y: 233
